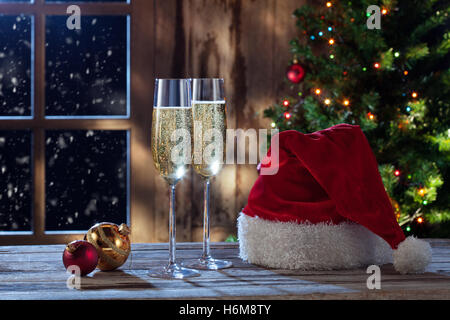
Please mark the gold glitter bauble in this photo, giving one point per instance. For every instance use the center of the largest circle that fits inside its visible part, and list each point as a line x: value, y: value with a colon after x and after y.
x: 112, y: 243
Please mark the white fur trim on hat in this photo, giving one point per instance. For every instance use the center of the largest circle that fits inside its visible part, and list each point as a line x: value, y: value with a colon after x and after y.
x: 412, y: 256
x: 307, y: 246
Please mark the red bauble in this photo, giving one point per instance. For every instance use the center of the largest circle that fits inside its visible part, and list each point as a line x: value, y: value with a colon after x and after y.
x: 295, y: 73
x: 82, y: 254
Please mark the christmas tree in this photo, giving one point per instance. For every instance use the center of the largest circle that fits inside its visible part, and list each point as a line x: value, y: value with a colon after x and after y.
x: 393, y: 82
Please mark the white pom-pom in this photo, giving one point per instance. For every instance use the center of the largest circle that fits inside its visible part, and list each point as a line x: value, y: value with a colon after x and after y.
x: 412, y: 256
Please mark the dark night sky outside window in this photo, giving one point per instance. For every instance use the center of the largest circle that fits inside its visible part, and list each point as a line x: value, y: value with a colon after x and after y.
x: 87, y: 76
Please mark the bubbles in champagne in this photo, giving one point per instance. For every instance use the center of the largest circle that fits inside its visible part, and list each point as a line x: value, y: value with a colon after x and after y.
x: 209, y: 136
x: 171, y: 135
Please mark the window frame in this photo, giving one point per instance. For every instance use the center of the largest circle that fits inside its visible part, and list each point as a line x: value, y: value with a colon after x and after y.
x: 137, y: 124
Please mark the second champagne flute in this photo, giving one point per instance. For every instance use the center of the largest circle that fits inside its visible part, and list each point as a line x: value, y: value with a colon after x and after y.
x: 210, y: 124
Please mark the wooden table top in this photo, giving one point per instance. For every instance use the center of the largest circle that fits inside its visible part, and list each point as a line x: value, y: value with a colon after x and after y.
x: 37, y: 272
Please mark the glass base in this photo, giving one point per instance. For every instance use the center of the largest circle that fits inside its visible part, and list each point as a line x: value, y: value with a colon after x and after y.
x: 209, y: 264
x: 173, y: 271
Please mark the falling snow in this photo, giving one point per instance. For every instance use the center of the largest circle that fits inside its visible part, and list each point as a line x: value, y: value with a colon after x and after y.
x: 15, y: 66
x: 15, y: 181
x: 87, y: 180
x: 86, y: 69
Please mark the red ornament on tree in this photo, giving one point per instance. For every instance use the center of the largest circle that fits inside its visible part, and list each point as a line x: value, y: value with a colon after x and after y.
x: 82, y: 254
x: 295, y: 73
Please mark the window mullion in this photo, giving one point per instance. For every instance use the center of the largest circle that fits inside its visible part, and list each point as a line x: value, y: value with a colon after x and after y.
x: 38, y: 131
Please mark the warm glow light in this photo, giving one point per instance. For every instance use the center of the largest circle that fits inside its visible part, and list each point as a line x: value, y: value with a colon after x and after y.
x: 331, y: 41
x: 420, y: 220
x: 384, y: 11
x: 396, y: 173
x: 180, y: 172
x: 286, y: 103
x: 215, y: 167
x: 287, y: 115
x: 273, y: 124
x: 317, y: 91
x: 327, y: 101
x: 414, y: 94
x: 376, y: 65
x: 405, y: 73
x: 422, y: 191
x: 346, y: 102
x: 371, y: 116
x: 329, y: 4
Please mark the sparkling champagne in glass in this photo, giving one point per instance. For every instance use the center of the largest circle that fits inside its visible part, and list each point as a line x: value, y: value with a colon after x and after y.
x: 171, y: 151
x: 209, y: 130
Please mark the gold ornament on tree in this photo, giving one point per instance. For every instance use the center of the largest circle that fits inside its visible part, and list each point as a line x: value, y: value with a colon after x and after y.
x: 112, y: 243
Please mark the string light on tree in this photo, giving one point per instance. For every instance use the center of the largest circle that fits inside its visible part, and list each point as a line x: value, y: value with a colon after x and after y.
x: 376, y: 65
x: 329, y: 4
x: 422, y: 191
x: 397, y: 173
x: 419, y: 220
x: 331, y: 41
x: 405, y: 72
x: 384, y: 11
x: 408, y: 108
x: 327, y: 101
x: 370, y: 115
x: 287, y: 115
x: 414, y: 94
x: 273, y: 124
x: 317, y: 91
x: 408, y: 228
x: 397, y: 54
x: 346, y: 102
x: 286, y: 103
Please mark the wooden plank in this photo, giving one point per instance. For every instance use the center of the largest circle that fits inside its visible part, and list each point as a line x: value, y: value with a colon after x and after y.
x: 37, y: 272
x: 141, y: 94
x: 253, y: 30
x: 284, y: 31
x: 209, y: 50
x: 61, y: 8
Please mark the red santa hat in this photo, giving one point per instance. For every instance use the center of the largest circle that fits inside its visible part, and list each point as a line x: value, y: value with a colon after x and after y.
x: 325, y: 208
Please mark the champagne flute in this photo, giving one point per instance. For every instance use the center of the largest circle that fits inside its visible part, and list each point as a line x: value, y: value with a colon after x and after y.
x: 209, y: 116
x: 171, y: 151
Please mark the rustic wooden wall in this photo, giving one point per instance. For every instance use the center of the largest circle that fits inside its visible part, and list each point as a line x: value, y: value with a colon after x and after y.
x: 246, y: 42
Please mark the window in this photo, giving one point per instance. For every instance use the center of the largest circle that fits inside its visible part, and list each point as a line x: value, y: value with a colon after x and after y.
x: 69, y: 120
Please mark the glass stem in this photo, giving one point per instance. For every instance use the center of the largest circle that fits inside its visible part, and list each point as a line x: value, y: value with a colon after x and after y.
x: 206, y: 254
x: 172, y: 226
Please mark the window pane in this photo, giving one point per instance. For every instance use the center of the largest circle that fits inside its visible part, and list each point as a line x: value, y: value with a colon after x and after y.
x: 86, y: 178
x: 15, y: 66
x: 86, y: 69
x: 15, y: 181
